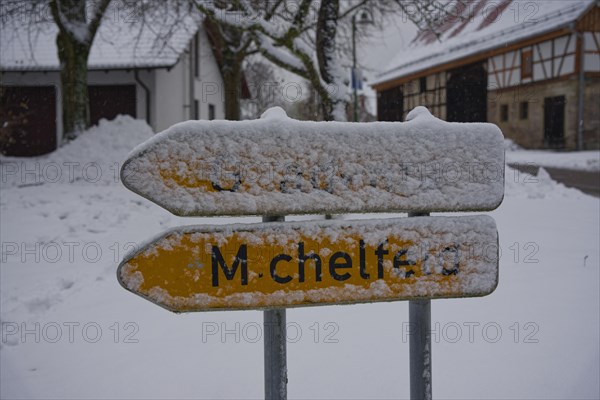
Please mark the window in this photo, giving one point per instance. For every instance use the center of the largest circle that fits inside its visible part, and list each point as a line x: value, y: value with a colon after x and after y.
x: 196, y: 109
x: 504, y: 112
x: 423, y: 84
x: 524, y: 110
x: 526, y: 64
x: 390, y: 104
x: 211, y: 111
x: 197, y: 56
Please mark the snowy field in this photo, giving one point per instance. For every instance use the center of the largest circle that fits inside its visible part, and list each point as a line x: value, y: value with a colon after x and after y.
x: 70, y: 331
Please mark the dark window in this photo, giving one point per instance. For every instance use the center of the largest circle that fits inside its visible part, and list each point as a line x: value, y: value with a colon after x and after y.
x: 197, y: 55
x: 466, y: 94
x: 390, y: 104
x: 211, y: 111
x: 524, y: 110
x: 504, y: 112
x: 423, y: 84
x: 196, y: 109
x: 526, y: 64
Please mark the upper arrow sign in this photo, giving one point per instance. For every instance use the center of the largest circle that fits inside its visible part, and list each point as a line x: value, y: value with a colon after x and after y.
x: 277, y: 165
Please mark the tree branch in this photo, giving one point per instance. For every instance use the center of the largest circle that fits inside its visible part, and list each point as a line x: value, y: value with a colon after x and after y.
x: 99, y: 11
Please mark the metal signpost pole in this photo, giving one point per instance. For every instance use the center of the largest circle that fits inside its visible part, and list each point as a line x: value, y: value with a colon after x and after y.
x: 419, y: 317
x: 419, y: 322
x: 275, y: 336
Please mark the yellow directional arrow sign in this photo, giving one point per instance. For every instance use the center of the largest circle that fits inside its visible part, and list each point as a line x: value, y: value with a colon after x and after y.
x: 307, y: 263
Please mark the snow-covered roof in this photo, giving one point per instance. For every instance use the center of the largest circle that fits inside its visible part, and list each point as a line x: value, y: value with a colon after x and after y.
x: 478, y: 26
x: 122, y: 41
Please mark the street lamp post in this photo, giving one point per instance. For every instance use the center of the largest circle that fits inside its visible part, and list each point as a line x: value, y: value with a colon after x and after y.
x: 355, y: 98
x: 365, y: 18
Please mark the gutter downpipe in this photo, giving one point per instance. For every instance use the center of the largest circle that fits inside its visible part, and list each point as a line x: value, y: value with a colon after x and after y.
x: 147, y: 91
x: 193, y: 57
x: 581, y: 88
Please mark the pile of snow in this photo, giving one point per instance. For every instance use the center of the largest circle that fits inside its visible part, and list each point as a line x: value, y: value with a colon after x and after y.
x: 510, y: 145
x: 95, y: 157
x: 542, y: 186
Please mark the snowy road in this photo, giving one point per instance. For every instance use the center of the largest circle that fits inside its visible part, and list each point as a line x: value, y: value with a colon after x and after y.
x: 586, y: 181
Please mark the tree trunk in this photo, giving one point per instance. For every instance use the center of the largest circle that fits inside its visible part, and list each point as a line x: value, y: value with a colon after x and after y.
x: 77, y: 22
x: 228, y: 48
x: 73, y: 58
x: 327, y: 108
x: 232, y: 81
x: 327, y: 58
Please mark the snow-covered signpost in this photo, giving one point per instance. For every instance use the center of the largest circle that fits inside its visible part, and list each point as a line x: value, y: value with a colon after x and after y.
x: 277, y: 166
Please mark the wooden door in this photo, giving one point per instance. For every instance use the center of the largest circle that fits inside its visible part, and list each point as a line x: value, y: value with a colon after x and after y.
x: 27, y: 120
x: 554, y: 122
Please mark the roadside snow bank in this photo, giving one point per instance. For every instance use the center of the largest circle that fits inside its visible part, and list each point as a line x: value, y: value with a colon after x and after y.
x: 510, y: 145
x: 94, y: 157
x: 542, y: 186
x: 576, y: 160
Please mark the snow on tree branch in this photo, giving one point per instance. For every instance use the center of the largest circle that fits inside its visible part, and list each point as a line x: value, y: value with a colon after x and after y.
x: 72, y: 19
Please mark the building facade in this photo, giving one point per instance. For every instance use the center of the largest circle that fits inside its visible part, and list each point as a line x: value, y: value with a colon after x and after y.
x: 539, y: 82
x: 163, y: 86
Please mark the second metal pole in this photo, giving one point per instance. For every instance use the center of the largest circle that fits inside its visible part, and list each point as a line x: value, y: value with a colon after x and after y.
x: 419, y: 319
x: 419, y: 322
x: 275, y: 347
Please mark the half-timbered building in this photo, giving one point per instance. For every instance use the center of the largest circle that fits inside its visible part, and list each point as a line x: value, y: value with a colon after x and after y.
x: 532, y: 68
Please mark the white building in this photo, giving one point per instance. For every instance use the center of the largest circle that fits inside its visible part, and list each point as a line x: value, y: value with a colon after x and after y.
x: 131, y: 71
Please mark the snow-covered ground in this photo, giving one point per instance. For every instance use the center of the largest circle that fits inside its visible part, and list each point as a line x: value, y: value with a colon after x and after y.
x: 69, y: 330
x: 576, y: 160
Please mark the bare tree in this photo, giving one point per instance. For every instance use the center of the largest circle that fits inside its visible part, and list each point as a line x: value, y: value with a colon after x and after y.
x: 232, y: 39
x: 303, y: 37
x: 246, y: 28
x: 76, y: 32
x: 77, y: 25
x: 263, y: 86
x: 77, y: 22
x: 230, y: 44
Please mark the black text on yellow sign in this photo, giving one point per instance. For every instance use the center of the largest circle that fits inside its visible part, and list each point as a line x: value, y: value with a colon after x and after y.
x: 295, y: 264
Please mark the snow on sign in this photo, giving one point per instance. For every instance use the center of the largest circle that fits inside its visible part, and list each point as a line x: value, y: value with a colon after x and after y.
x: 280, y: 166
x: 287, y: 264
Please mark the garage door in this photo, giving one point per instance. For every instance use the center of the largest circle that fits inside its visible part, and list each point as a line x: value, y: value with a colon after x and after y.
x: 27, y: 120
x: 110, y: 101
